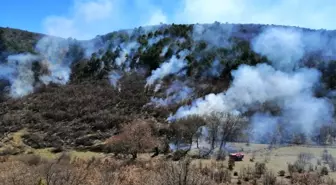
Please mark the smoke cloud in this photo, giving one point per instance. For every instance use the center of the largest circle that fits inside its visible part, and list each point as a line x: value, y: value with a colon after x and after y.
x: 114, y: 78
x: 177, y: 92
x: 214, y: 34
x: 312, y: 14
x: 284, y: 84
x: 55, y: 52
x: 55, y: 57
x: 283, y: 47
x: 20, y: 74
x: 173, y: 66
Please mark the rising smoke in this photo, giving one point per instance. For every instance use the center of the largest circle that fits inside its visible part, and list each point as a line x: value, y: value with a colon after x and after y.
x: 20, y: 74
x: 173, y: 66
x: 176, y: 93
x: 53, y: 55
x: 285, y: 84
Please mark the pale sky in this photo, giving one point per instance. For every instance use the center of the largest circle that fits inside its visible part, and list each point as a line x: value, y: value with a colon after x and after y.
x: 84, y: 19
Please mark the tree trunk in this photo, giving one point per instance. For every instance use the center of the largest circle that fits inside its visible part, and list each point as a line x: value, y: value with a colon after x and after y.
x: 213, y: 140
x: 220, y: 152
x: 134, y: 155
x: 222, y: 144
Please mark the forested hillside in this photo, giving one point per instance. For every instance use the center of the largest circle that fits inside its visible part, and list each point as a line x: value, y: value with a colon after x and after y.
x: 238, y: 82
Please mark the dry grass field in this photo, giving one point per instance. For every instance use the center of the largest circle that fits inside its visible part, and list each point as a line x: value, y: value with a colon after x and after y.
x: 275, y: 159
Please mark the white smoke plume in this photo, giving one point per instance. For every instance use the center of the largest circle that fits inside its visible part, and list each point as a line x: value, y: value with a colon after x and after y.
x: 173, y: 66
x: 54, y: 51
x: 215, y: 69
x: 126, y: 51
x: 289, y: 87
x: 114, y: 78
x: 283, y: 47
x: 164, y: 51
x: 121, y: 59
x: 176, y: 93
x: 54, y: 55
x: 20, y: 74
x: 214, y: 34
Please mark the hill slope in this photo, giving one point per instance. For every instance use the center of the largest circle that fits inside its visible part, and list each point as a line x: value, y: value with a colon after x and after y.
x: 77, y: 93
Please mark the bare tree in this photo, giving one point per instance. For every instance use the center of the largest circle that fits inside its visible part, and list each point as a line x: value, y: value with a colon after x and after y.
x: 230, y: 128
x: 186, y: 129
x: 213, y: 121
x: 224, y: 127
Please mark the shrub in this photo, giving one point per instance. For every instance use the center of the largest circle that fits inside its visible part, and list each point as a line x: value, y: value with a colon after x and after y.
x: 222, y: 176
x: 10, y: 151
x: 259, y: 169
x: 31, y: 160
x: 57, y: 150
x: 231, y: 163
x: 332, y: 165
x: 194, y: 153
x: 301, y: 164
x: 269, y: 178
x: 253, y: 157
x: 305, y: 157
x: 282, y: 173
x: 135, y: 137
x: 319, y: 162
x: 181, y: 173
x: 306, y: 178
x: 324, y: 171
x: 178, y: 155
x: 246, y: 174
x: 326, y: 156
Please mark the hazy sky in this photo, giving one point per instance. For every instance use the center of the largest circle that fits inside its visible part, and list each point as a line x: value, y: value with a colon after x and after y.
x: 85, y: 19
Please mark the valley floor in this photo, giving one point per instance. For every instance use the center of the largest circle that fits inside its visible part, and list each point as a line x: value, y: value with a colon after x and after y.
x: 276, y: 159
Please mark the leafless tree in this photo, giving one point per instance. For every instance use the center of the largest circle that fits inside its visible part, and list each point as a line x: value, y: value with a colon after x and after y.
x: 186, y: 129
x: 230, y: 128
x: 213, y: 121
x: 224, y: 127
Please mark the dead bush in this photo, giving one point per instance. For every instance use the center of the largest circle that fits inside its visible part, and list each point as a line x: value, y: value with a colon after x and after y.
x: 324, y: 171
x: 239, y: 181
x: 221, y: 175
x: 319, y: 163
x: 178, y: 155
x: 59, y: 174
x: 231, y: 163
x: 326, y: 157
x: 281, y: 173
x: 259, y: 169
x: 332, y: 164
x: 302, y: 164
x: 10, y: 151
x: 181, y: 173
x: 246, y: 174
x: 269, y: 178
x: 306, y: 178
x: 31, y: 159
x: 18, y: 173
x: 305, y: 157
